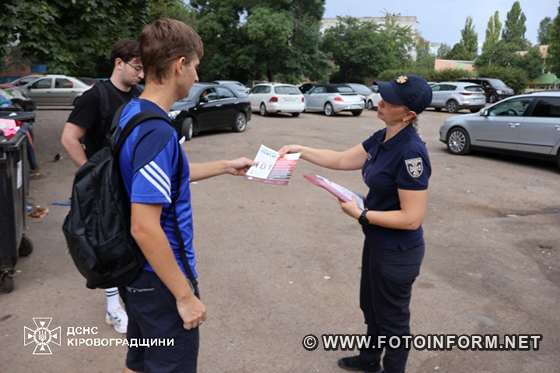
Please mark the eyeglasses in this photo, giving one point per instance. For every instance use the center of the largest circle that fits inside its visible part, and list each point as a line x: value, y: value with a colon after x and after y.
x: 137, y: 68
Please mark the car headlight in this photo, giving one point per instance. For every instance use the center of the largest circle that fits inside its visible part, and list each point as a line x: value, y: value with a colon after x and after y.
x: 173, y: 114
x: 500, y: 92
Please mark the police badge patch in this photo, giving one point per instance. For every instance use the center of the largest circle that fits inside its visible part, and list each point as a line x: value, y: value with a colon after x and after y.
x: 415, y: 167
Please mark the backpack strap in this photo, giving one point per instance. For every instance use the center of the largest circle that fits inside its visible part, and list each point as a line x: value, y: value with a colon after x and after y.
x: 183, y: 256
x: 104, y: 96
x: 134, y: 122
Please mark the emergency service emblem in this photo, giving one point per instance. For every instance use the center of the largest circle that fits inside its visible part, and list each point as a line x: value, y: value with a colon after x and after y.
x: 414, y: 166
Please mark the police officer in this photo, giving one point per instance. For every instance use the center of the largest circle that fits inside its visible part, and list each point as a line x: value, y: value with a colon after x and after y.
x: 396, y: 168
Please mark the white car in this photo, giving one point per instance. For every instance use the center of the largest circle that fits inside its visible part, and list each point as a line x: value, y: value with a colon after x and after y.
x: 277, y: 98
x: 372, y: 101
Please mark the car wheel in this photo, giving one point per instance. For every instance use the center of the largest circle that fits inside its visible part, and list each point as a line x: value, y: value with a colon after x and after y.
x: 295, y: 115
x: 240, y: 122
x: 188, y: 128
x: 25, y: 247
x: 328, y: 109
x: 6, y: 282
x: 356, y: 113
x: 492, y: 99
x: 458, y: 141
x: 452, y: 106
x: 262, y: 110
x: 370, y: 105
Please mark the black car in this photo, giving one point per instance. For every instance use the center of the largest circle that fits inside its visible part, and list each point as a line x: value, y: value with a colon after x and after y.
x: 208, y: 107
x: 494, y: 89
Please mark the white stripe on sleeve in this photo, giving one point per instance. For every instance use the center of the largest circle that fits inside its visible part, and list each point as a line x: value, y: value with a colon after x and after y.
x: 155, y: 184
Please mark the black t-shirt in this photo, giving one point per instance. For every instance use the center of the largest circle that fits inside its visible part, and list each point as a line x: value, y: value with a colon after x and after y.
x: 88, y: 113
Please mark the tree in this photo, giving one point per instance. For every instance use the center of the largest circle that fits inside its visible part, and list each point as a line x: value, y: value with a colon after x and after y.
x: 424, y: 58
x: 272, y: 31
x: 544, y: 31
x: 467, y: 47
x: 501, y: 54
x: 506, y: 55
x: 69, y: 37
x: 514, y: 28
x: 443, y: 51
x: 361, y: 50
x: 553, y: 60
x: 175, y: 9
x: 493, y: 31
x: 250, y: 39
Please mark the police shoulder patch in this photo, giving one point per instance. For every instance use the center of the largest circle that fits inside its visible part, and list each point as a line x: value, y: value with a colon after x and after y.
x: 414, y: 166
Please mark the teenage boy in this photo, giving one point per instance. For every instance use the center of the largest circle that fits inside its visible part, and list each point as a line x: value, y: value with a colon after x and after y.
x: 162, y: 302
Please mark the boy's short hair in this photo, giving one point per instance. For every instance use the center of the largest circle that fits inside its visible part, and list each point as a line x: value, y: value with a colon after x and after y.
x: 126, y: 50
x: 165, y: 40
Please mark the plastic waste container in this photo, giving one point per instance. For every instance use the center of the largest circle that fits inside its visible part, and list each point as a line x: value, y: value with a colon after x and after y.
x: 13, y: 242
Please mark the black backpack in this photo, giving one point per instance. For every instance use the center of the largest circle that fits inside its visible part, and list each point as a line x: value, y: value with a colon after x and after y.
x: 97, y: 228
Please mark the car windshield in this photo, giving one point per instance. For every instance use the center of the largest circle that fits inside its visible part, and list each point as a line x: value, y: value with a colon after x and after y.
x: 287, y: 90
x: 474, y: 88
x: 497, y: 83
x: 361, y: 89
x: 345, y: 89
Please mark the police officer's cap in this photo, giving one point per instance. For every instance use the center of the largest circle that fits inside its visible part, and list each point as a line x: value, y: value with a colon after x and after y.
x: 409, y: 90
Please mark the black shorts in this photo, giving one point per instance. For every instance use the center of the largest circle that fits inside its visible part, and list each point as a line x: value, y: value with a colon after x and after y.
x: 152, y: 314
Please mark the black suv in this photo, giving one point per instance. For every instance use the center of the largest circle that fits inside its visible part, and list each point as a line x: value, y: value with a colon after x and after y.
x: 494, y: 89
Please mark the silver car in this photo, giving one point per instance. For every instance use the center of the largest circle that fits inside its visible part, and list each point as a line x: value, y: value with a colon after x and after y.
x: 454, y: 96
x: 331, y: 99
x: 54, y: 90
x: 528, y: 124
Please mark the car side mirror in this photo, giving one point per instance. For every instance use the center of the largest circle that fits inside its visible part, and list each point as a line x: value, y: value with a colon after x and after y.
x: 203, y: 99
x: 484, y: 112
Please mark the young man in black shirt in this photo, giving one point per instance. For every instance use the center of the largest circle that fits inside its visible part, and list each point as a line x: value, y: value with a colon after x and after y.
x: 88, y: 127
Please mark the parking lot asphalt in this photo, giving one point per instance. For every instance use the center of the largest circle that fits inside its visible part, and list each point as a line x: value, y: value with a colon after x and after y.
x: 280, y: 262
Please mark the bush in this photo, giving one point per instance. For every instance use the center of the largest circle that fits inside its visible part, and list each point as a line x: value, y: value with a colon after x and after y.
x: 514, y: 77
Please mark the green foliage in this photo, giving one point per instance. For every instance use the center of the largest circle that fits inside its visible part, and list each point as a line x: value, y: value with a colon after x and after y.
x: 515, y: 28
x: 175, y: 9
x: 430, y: 75
x: 506, y: 54
x: 467, y: 47
x: 544, y: 31
x: 553, y: 60
x: 501, y: 54
x: 69, y: 36
x: 443, y: 51
x: 361, y: 50
x: 424, y: 58
x: 532, y: 63
x: 514, y: 77
x: 493, y: 31
x: 256, y: 40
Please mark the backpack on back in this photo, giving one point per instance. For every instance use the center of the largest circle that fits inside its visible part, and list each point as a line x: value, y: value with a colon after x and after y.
x: 97, y: 228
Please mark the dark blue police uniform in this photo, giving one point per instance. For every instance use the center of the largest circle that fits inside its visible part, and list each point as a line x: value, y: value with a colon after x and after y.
x: 391, y: 257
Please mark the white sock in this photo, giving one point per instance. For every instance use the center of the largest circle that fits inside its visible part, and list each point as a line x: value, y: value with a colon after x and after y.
x: 112, y: 295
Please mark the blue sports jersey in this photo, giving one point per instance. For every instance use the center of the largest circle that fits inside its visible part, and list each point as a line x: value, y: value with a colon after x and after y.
x: 149, y: 168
